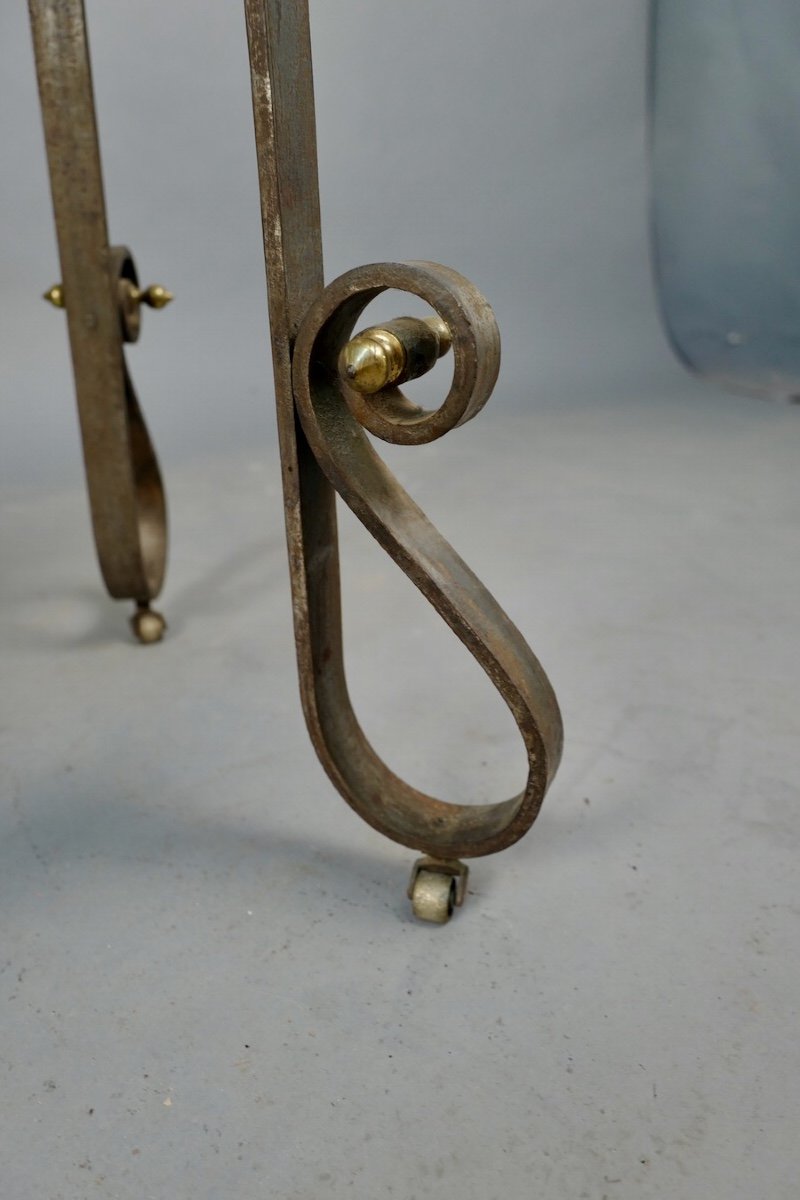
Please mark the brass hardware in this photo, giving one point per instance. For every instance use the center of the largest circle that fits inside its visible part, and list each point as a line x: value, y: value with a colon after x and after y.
x: 323, y: 422
x: 394, y: 353
x: 55, y: 296
x: 155, y: 296
x: 436, y: 888
x: 126, y: 496
x: 131, y: 298
x: 147, y: 625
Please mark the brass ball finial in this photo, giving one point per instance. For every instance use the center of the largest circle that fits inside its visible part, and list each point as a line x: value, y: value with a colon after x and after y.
x: 156, y: 296
x: 55, y: 296
x: 372, y: 361
x: 389, y: 354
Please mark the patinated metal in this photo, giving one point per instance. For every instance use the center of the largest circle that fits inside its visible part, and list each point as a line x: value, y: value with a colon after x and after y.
x: 100, y: 291
x: 323, y: 422
x: 332, y: 390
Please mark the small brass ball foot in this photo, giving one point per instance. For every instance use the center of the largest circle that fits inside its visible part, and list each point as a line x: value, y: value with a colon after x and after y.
x: 437, y: 888
x: 148, y: 625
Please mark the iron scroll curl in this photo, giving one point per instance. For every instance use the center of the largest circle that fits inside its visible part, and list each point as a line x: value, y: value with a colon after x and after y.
x: 335, y: 421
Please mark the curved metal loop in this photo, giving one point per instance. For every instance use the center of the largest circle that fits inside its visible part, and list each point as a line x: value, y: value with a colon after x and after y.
x: 475, y: 345
x: 126, y: 492
x: 143, y: 496
x: 333, y: 420
x: 147, y: 566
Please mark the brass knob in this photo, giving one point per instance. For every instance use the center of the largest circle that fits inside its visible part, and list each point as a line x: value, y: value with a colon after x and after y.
x: 55, y: 296
x: 155, y: 296
x: 386, y: 355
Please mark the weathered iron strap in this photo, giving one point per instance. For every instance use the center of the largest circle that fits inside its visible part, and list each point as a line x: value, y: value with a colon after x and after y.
x: 332, y: 417
x: 324, y: 449
x: 126, y: 495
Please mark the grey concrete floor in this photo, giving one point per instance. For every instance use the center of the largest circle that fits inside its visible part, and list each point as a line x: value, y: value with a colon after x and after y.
x: 211, y: 985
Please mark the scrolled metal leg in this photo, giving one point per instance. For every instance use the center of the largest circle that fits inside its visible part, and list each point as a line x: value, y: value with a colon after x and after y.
x: 331, y: 390
x: 100, y: 292
x: 335, y: 418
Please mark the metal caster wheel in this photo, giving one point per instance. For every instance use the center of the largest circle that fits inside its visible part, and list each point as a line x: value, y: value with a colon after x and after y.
x: 437, y: 888
x: 148, y: 625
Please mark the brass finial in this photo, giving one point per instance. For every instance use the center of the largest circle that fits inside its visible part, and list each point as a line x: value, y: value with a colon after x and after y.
x: 373, y: 360
x: 55, y: 296
x: 155, y: 296
x: 384, y: 355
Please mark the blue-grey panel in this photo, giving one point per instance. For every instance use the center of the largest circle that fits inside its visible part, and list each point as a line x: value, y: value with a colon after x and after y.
x: 726, y: 187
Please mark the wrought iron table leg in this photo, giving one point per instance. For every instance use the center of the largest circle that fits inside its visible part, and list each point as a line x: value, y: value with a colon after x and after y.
x: 330, y: 390
x: 100, y: 291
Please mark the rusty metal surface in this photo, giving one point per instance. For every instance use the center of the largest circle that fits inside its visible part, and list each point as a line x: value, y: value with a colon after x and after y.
x: 324, y: 450
x: 99, y: 290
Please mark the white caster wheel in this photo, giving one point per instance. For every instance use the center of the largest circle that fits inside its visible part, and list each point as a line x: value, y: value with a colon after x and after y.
x: 436, y: 889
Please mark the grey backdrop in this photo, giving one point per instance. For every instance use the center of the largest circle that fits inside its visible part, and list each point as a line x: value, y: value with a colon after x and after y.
x: 507, y: 141
x: 210, y: 982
